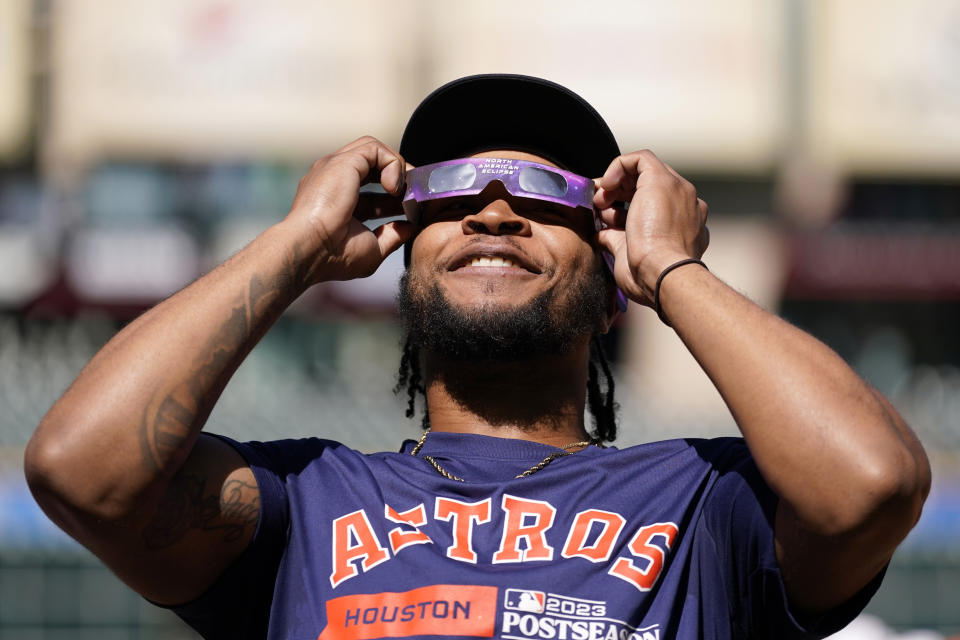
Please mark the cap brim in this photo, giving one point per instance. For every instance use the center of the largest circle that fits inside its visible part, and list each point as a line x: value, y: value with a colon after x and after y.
x: 504, y: 111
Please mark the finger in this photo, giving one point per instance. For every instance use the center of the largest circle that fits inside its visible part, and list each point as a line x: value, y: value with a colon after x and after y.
x: 371, y: 206
x: 617, y: 181
x: 392, y: 235
x: 621, y: 175
x: 614, y: 216
x: 375, y: 161
x: 359, y: 142
x: 653, y: 170
x: 614, y: 241
x: 393, y: 177
x: 603, y: 199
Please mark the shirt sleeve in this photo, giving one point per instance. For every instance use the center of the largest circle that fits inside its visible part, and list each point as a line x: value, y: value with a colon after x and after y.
x: 740, y: 513
x: 238, y: 604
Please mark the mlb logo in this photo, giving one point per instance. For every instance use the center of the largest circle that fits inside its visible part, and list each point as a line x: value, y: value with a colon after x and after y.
x: 524, y: 600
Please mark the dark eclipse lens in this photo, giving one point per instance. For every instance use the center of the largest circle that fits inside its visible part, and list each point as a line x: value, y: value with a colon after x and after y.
x: 542, y: 182
x: 453, y: 178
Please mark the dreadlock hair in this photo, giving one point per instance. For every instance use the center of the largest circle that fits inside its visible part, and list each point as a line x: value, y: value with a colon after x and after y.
x: 603, y: 408
x: 410, y: 377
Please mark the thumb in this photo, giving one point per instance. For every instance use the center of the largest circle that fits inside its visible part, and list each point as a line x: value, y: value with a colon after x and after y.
x: 392, y: 235
x: 613, y: 240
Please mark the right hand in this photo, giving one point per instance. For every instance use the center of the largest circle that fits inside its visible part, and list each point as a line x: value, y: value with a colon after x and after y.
x: 666, y: 221
x: 325, y: 208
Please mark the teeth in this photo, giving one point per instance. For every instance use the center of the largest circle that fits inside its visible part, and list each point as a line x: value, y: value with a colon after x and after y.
x: 490, y: 262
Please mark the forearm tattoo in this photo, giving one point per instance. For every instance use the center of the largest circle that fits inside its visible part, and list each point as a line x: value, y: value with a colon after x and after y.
x: 172, y: 419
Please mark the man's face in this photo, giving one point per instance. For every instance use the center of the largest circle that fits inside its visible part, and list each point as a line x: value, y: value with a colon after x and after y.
x: 494, y: 276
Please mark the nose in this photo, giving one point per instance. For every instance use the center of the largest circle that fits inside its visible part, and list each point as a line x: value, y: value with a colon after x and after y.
x: 497, y: 218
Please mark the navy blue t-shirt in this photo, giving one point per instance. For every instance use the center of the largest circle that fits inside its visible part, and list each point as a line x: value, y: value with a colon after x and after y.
x: 665, y: 540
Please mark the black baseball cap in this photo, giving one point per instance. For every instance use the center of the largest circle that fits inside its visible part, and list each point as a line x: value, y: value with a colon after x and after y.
x: 507, y: 111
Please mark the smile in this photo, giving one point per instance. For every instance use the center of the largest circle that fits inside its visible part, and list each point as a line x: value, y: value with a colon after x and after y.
x: 494, y: 261
x: 492, y: 255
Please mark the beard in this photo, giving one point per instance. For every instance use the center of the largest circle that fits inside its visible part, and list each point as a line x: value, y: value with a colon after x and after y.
x: 549, y: 324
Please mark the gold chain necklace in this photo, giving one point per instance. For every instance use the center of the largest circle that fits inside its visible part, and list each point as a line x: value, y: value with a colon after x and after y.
x: 529, y: 472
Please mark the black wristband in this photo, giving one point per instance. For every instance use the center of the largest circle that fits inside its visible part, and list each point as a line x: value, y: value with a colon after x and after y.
x: 656, y: 289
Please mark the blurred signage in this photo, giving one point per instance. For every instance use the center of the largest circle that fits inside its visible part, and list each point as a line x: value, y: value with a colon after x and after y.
x: 14, y: 75
x: 885, y: 264
x: 884, y: 85
x: 700, y: 82
x: 24, y: 266
x: 131, y: 265
x: 207, y: 79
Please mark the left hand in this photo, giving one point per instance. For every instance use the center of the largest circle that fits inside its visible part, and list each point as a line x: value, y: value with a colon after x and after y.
x: 665, y: 222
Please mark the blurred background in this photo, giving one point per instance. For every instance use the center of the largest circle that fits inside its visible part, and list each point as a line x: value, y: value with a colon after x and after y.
x: 143, y: 142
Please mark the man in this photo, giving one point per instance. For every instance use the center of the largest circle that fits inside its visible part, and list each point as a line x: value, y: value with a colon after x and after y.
x: 505, y: 519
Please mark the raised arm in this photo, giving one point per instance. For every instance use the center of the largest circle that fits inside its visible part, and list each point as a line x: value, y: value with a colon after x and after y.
x: 850, y: 474
x: 119, y: 461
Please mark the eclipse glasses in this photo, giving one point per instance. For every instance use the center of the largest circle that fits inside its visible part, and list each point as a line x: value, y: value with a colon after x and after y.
x: 523, y: 179
x: 470, y: 176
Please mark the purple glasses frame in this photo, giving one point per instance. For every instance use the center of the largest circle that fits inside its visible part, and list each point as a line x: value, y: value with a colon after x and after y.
x: 470, y: 176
